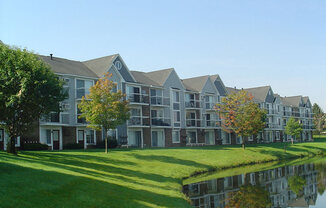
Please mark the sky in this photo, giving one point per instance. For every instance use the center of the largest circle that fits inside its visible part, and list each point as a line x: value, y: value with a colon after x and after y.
x: 281, y: 43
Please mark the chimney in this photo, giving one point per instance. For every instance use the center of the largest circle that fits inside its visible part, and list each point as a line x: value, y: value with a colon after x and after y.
x: 51, y: 54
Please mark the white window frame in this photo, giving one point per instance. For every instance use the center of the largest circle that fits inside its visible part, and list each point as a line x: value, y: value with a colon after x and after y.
x: 83, y: 87
x: 173, y: 110
x: 163, y: 136
x: 173, y: 141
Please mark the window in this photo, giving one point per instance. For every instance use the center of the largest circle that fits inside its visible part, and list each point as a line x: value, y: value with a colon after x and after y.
x: 191, y: 137
x: 209, y: 137
x: 90, y: 138
x: 79, y: 113
x: 135, y: 116
x: 156, y: 96
x: 82, y: 87
x: 226, y: 137
x: 176, y: 136
x: 65, y: 84
x: 157, y: 139
x: 48, y: 136
x: 209, y: 102
x: 191, y: 118
x: 134, y: 138
x: 80, y: 135
x: 176, y: 108
x: 1, y: 135
x: 112, y: 134
x: 158, y: 118
x: 118, y: 65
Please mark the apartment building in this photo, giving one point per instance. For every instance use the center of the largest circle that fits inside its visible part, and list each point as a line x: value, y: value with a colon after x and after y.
x: 166, y: 111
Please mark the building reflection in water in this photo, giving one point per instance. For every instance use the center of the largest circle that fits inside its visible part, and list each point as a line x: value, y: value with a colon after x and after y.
x: 289, y: 186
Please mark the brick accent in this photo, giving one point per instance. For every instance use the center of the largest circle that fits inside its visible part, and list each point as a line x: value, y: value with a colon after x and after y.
x: 68, y: 135
x: 183, y: 137
x: 147, y: 137
x: 200, y: 135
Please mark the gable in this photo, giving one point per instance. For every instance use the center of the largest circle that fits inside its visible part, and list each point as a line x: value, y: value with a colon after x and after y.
x: 209, y: 87
x: 116, y: 77
x: 173, y: 81
x: 123, y: 70
x: 270, y: 96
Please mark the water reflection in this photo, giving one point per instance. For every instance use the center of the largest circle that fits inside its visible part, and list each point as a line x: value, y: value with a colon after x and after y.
x: 288, y: 186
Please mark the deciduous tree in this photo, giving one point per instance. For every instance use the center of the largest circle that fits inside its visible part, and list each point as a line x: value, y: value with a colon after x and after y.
x: 249, y: 196
x: 293, y: 128
x: 319, y: 118
x: 28, y: 90
x: 241, y: 115
x: 103, y: 108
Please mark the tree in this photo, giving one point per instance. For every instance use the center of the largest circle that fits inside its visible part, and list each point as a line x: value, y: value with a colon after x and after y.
x: 296, y: 184
x: 241, y: 115
x: 249, y: 196
x: 319, y: 118
x: 28, y: 90
x: 293, y: 128
x: 103, y: 108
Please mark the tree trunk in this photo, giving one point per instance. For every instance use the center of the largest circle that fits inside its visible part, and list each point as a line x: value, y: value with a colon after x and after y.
x: 292, y: 139
x: 11, y: 146
x: 106, y: 140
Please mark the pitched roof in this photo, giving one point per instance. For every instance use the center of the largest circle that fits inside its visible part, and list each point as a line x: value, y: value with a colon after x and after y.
x: 159, y: 76
x: 65, y: 66
x: 100, y: 65
x: 291, y: 101
x: 196, y: 83
x: 232, y: 90
x: 305, y: 99
x: 142, y: 78
x: 259, y: 93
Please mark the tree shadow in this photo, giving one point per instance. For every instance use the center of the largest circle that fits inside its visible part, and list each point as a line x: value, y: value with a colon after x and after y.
x: 29, y: 187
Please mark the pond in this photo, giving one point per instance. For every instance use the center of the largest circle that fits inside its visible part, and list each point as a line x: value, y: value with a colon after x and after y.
x: 299, y: 183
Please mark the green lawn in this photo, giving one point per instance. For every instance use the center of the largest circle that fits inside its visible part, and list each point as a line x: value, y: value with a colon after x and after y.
x: 122, y: 178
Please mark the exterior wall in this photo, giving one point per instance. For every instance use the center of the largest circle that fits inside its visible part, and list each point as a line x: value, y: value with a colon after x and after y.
x: 69, y: 135
x: 147, y: 137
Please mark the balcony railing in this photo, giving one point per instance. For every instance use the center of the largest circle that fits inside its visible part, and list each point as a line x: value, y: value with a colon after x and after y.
x: 272, y: 125
x: 210, y: 106
x: 212, y: 123
x: 161, y: 122
x: 307, y: 127
x: 295, y: 114
x: 159, y: 101
x: 287, y: 113
x: 193, y: 122
x: 51, y: 118
x: 138, y: 98
x: 138, y: 121
x: 192, y: 104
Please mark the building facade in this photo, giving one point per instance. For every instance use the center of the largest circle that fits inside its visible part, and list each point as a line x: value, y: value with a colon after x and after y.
x: 166, y: 111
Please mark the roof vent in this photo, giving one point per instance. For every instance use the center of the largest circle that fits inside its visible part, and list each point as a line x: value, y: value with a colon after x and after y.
x: 51, y: 54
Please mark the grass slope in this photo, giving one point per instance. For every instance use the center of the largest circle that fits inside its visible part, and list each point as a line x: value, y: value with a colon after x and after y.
x: 123, y: 178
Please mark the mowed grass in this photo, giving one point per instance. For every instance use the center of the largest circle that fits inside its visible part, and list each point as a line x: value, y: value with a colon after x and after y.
x: 123, y: 178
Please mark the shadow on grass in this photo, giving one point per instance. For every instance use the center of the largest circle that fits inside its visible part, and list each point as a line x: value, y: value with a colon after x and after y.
x: 29, y: 187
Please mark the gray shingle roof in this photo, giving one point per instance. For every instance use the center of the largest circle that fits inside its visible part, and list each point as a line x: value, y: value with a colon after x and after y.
x: 65, y: 66
x: 195, y: 83
x: 159, y: 76
x: 142, y: 78
x: 100, y: 65
x: 259, y: 93
x: 291, y: 101
x: 232, y: 90
x: 305, y: 99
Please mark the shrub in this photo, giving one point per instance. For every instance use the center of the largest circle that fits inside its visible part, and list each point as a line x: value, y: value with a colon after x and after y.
x: 112, y: 143
x: 35, y: 146
x: 74, y: 146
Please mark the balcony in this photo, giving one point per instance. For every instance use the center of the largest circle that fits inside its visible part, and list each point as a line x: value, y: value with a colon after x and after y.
x: 272, y: 125
x: 135, y: 98
x: 192, y: 104
x: 51, y: 118
x: 212, y: 123
x: 193, y: 122
x: 287, y: 113
x: 295, y: 114
x: 138, y: 121
x: 307, y: 127
x: 161, y: 122
x: 210, y: 106
x: 160, y: 101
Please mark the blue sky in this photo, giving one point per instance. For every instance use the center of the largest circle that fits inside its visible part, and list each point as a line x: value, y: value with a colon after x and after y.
x: 249, y: 43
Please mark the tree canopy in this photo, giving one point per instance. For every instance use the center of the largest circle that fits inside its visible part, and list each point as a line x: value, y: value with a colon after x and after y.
x: 319, y: 118
x: 28, y: 90
x: 293, y: 128
x: 240, y: 114
x: 103, y: 107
